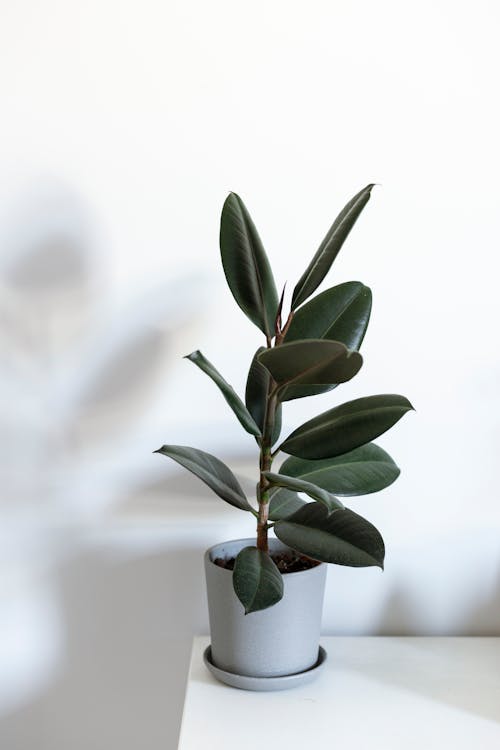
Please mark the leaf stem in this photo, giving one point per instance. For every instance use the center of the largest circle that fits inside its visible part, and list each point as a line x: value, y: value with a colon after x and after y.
x: 284, y: 330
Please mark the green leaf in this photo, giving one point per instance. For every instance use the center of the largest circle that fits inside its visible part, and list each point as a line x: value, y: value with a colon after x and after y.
x: 342, y: 537
x: 256, y: 395
x: 244, y: 417
x: 283, y: 503
x: 299, y: 485
x: 310, y: 362
x: 361, y: 471
x: 329, y: 248
x: 257, y: 581
x: 246, y: 266
x: 341, y: 314
x: 210, y: 470
x: 346, y: 427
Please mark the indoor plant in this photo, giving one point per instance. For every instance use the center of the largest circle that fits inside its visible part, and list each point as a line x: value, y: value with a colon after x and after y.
x: 263, y: 623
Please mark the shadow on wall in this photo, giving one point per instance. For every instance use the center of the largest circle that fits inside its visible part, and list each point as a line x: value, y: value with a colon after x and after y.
x: 79, y: 370
x: 122, y: 681
x: 399, y: 615
x: 178, y: 493
x: 484, y: 619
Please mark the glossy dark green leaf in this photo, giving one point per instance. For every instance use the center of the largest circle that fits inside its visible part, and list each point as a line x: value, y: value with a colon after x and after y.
x: 341, y: 537
x: 210, y: 470
x: 283, y: 503
x: 257, y: 581
x: 246, y: 266
x: 299, y: 485
x: 329, y: 248
x: 310, y: 362
x: 256, y: 395
x: 361, y: 471
x: 346, y: 427
x: 244, y: 417
x: 341, y: 314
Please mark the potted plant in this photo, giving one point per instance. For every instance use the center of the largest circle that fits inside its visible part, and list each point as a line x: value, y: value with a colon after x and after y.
x: 265, y: 594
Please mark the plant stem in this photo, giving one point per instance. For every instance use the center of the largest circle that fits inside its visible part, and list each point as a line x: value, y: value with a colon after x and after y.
x: 266, y: 460
x: 266, y: 454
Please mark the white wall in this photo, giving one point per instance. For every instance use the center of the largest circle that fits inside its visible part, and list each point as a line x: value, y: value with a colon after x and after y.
x: 124, y: 125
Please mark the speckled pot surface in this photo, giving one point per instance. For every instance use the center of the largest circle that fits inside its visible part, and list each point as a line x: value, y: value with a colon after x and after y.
x: 280, y: 640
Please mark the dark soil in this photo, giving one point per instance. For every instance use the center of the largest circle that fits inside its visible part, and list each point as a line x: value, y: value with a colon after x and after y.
x: 286, y: 562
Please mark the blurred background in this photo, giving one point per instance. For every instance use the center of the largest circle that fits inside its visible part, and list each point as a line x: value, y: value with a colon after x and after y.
x: 124, y: 125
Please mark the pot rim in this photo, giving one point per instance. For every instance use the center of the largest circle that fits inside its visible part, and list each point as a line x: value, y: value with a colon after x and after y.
x: 252, y: 541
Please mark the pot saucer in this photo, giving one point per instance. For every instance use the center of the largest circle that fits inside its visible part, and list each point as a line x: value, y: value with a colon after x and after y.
x: 244, y: 682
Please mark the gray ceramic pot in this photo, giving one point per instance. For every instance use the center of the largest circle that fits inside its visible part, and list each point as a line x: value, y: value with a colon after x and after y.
x: 280, y: 640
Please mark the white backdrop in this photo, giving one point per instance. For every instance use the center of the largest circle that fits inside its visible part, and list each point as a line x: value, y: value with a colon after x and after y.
x: 124, y: 125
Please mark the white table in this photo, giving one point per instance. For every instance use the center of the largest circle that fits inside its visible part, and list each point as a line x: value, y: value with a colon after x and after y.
x: 378, y: 692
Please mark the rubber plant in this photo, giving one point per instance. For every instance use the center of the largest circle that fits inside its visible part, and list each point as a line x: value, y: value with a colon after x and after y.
x: 330, y: 456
